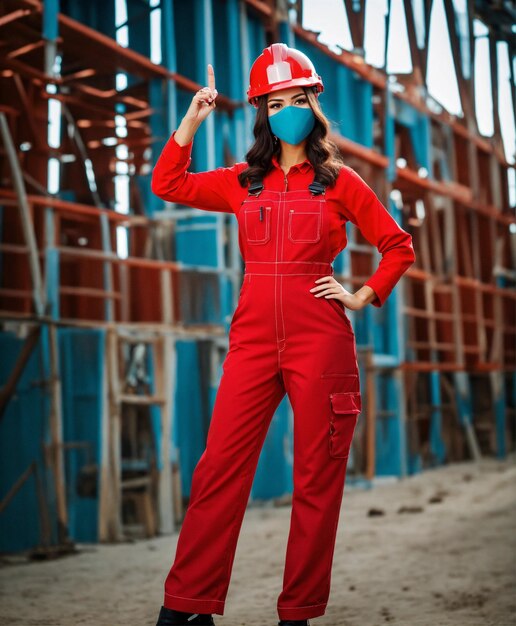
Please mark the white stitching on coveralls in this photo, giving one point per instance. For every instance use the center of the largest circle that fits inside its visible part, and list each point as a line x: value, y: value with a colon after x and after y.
x: 276, y: 279
x: 281, y: 284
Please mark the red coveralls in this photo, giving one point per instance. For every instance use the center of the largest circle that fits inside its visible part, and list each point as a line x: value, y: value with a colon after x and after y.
x: 282, y: 339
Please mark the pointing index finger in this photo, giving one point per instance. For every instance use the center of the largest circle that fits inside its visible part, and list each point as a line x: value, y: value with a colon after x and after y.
x: 211, y: 77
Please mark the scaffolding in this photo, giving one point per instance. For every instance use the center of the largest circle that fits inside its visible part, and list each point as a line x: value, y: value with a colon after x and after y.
x: 115, y: 305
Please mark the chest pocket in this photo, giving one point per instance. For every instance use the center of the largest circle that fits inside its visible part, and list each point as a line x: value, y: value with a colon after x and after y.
x: 257, y: 223
x: 304, y: 221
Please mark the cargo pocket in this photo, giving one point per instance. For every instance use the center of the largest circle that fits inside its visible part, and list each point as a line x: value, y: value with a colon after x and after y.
x: 345, y: 408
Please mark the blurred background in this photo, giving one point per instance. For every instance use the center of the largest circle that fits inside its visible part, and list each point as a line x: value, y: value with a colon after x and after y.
x: 115, y: 305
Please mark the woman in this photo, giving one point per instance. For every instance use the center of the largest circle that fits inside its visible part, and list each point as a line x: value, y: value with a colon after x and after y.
x: 289, y: 333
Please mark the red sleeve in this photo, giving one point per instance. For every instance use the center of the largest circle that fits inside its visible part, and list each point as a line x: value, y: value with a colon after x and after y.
x: 381, y: 230
x: 172, y: 181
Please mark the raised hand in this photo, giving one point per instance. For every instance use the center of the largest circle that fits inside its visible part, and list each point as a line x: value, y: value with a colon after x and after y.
x: 203, y: 101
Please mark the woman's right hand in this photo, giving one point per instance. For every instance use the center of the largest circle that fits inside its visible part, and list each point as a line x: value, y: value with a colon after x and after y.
x: 203, y: 101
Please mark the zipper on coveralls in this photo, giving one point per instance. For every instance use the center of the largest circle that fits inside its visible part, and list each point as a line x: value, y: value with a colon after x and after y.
x: 281, y: 341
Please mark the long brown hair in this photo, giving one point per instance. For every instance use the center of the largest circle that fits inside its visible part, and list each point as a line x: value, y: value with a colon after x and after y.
x: 322, y: 153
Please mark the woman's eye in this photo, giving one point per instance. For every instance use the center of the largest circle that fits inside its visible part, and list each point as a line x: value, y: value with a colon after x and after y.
x: 275, y: 105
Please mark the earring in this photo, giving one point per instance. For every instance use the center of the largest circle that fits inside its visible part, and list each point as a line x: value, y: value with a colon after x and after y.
x: 275, y: 139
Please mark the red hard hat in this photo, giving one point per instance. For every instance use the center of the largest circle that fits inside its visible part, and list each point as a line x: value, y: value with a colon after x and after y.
x: 281, y: 67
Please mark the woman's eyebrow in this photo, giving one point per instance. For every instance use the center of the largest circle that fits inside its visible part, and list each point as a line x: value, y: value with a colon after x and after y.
x: 281, y: 99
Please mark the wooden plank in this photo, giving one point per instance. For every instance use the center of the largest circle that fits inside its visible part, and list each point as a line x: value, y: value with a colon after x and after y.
x: 132, y: 483
x: 126, y: 398
x: 164, y: 377
x: 90, y: 292
x: 167, y: 313
x: 125, y: 288
x: 106, y: 496
x: 115, y: 532
x: 56, y: 435
x: 12, y: 248
x: 370, y: 433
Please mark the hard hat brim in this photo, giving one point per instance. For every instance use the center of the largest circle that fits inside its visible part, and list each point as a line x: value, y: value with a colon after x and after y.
x: 285, y: 84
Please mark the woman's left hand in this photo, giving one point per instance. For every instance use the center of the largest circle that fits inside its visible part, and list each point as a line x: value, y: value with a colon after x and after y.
x: 328, y: 287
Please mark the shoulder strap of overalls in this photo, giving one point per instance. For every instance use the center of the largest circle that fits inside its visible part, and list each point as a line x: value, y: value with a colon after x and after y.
x: 256, y: 187
x: 316, y: 187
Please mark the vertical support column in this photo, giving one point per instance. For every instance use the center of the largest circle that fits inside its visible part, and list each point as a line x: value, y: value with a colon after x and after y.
x: 399, y: 381
x: 163, y: 95
x: 166, y: 297
x: 237, y: 88
x: 370, y: 426
x: 113, y: 518
x: 395, y: 342
x: 50, y: 334
x: 205, y: 136
x: 105, y: 482
x: 450, y: 267
x: 437, y: 446
x: 107, y: 268
x: 170, y: 59
x: 499, y: 405
x: 164, y: 374
x: 462, y: 387
x: 286, y: 34
x: 246, y: 68
x: 389, y: 138
x: 50, y: 351
x: 124, y: 274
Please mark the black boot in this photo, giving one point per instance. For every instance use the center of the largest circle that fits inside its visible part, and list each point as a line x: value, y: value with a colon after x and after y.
x: 294, y: 622
x: 170, y: 617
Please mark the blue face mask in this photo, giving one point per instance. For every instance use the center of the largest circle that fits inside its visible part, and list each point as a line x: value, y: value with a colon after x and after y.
x: 292, y: 124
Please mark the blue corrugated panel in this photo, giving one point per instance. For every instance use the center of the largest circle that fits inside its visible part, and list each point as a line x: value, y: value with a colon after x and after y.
x: 82, y: 366
x: 419, y: 127
x: 390, y: 448
x: 189, y: 428
x: 22, y: 430
x: 274, y: 472
x: 437, y: 446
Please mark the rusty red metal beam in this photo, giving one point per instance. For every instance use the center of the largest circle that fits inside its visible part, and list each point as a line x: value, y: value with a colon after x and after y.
x: 104, y: 52
x: 263, y: 8
x: 367, y: 154
x: 353, y: 61
x: 378, y: 78
x: 356, y: 19
x: 14, y: 16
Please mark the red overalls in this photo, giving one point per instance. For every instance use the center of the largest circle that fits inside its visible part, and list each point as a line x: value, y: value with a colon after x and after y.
x: 282, y: 339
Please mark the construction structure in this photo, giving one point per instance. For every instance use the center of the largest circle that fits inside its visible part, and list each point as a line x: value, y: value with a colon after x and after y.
x: 115, y: 306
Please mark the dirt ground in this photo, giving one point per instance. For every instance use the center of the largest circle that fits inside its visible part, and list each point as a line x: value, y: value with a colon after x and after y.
x: 451, y: 562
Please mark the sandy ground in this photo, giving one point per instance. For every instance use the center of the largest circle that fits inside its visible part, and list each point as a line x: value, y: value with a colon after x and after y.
x: 451, y: 563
